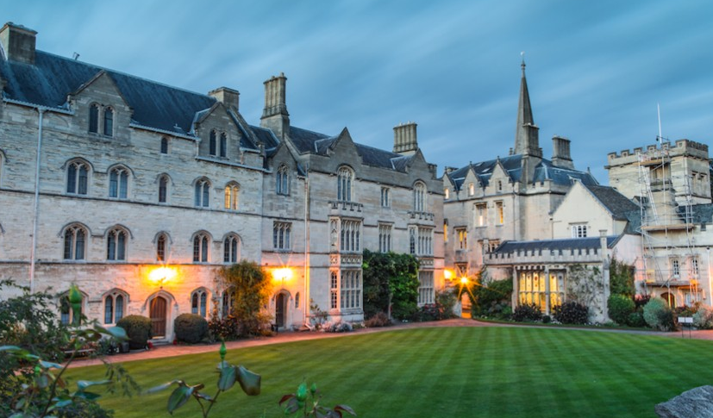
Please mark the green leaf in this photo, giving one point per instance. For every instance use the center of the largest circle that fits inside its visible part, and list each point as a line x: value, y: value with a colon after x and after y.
x: 83, y: 384
x: 50, y: 365
x: 345, y: 408
x: 179, y: 397
x: 249, y: 381
x: 90, y: 396
x: 163, y: 386
x: 228, y: 375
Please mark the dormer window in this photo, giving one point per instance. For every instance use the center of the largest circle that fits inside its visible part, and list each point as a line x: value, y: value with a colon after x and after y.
x: 212, y: 144
x: 109, y: 122
x: 447, y: 193
x: 223, y: 145
x: 500, y: 185
x: 94, y: 119
x: 471, y: 188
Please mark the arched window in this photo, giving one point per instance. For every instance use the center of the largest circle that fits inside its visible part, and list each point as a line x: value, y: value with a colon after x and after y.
x: 419, y: 197
x: 231, y: 196
x: 223, y: 144
x: 94, y: 119
x: 211, y: 144
x: 119, y: 182
x: 231, y: 249
x: 202, y: 193
x: 66, y: 313
x: 226, y: 303
x: 282, y: 180
x: 163, y: 189
x: 199, y: 302
x: 297, y: 300
x: 109, y: 122
x: 200, y: 248
x: 114, y: 307
x: 74, y: 242
x: 344, y: 184
x: 161, y: 247
x: 2, y: 163
x: 77, y: 177
x: 164, y: 145
x: 116, y: 245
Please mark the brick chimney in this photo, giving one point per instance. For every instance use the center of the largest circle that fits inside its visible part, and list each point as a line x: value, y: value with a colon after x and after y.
x: 560, y: 152
x: 275, y: 116
x: 229, y: 97
x: 18, y: 43
x: 405, y: 141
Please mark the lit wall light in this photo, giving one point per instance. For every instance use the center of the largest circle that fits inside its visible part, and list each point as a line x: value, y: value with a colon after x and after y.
x: 162, y: 275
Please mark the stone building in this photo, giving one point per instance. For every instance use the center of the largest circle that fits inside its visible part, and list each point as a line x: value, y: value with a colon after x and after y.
x: 140, y: 192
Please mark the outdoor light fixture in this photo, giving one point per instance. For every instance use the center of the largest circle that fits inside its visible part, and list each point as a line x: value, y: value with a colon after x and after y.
x: 161, y: 275
x: 448, y: 274
x: 282, y: 274
x: 464, y: 280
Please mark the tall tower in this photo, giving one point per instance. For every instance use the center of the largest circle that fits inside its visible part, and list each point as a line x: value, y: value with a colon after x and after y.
x: 526, y: 132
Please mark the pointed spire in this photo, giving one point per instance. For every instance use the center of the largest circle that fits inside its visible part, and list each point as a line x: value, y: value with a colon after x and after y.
x: 526, y: 138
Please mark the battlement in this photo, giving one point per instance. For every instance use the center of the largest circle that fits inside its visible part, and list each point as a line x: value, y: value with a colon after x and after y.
x: 681, y: 147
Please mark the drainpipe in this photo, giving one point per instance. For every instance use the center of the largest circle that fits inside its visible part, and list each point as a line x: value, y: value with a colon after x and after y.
x: 710, y: 287
x: 36, y: 211
x: 305, y: 282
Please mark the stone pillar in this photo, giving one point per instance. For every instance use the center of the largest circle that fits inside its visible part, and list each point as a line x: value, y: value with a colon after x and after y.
x: 547, y: 290
x: 515, y: 287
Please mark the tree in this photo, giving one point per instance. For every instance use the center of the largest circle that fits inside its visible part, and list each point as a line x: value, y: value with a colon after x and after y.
x: 390, y: 279
x: 621, y: 279
x: 250, y: 287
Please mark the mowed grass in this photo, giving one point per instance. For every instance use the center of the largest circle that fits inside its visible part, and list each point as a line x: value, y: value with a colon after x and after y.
x: 444, y: 372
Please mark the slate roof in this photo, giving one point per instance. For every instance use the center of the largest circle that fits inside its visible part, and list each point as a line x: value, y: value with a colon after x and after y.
x: 616, y: 203
x: 554, y: 244
x: 52, y: 78
x: 700, y: 214
x: 513, y: 167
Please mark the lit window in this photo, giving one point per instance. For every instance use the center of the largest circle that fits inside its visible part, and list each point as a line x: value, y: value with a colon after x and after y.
x: 281, y: 235
x: 118, y: 183
x: 116, y: 245
x: 114, y: 307
x: 282, y: 181
x: 481, y: 211
x: 344, y: 185
x: 349, y: 238
x: 164, y: 145
x: 200, y: 248
x: 223, y: 145
x: 471, y: 189
x: 333, y: 286
x: 212, y: 144
x: 109, y: 122
x: 77, y: 176
x: 231, y: 249
x: 462, y: 234
x: 94, y: 119
x: 199, y: 302
x: 202, y: 193
x: 385, y: 198
x: 74, y: 243
x: 419, y: 197
x: 231, y: 196
x: 499, y: 210
x: 163, y: 189
x: 447, y: 193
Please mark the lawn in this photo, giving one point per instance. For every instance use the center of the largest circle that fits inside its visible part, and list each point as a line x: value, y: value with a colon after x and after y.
x: 446, y: 372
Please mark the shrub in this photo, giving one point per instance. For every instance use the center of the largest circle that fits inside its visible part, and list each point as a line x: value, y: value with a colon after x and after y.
x: 640, y: 301
x: 445, y: 301
x: 225, y: 329
x: 190, y: 328
x: 338, y: 327
x: 390, y: 277
x: 527, y: 312
x: 636, y: 319
x: 138, y: 329
x: 658, y: 315
x: 378, y: 320
x: 620, y: 307
x: 250, y: 287
x: 703, y: 318
x: 492, y: 297
x: 546, y: 319
x: 571, y: 313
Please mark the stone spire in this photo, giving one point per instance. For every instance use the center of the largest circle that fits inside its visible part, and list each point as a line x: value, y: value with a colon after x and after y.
x: 526, y: 132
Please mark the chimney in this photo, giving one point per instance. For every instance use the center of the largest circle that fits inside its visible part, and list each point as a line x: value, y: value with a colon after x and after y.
x: 560, y: 152
x: 275, y: 116
x: 18, y: 43
x: 405, y: 141
x: 229, y: 97
x: 449, y: 170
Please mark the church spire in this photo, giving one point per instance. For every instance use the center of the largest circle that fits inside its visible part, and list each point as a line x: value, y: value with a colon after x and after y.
x: 526, y: 132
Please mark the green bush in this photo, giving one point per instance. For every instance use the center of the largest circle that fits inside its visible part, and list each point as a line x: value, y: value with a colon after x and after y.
x: 571, y: 313
x: 491, y: 298
x: 620, y: 307
x: 377, y: 321
x: 527, y: 312
x: 703, y: 318
x: 636, y: 319
x: 138, y: 329
x: 190, y: 328
x: 390, y: 277
x: 658, y: 315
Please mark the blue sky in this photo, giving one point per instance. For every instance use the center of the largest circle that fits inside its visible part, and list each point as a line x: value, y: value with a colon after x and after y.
x: 596, y: 70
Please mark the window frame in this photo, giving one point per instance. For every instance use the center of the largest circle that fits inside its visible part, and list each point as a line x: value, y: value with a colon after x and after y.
x: 345, y: 182
x: 77, y: 180
x: 200, y: 302
x: 163, y: 187
x: 201, y: 197
x: 163, y: 149
x: 419, y: 196
x: 201, y: 248
x: 231, y: 196
x: 120, y: 250
x: 281, y: 236
x: 108, y: 122
x: 94, y: 111
x: 231, y: 248
x: 113, y: 296
x: 74, y: 242
x: 119, y: 182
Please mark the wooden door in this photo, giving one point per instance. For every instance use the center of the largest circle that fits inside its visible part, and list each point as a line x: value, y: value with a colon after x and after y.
x: 158, y: 316
x: 280, y: 310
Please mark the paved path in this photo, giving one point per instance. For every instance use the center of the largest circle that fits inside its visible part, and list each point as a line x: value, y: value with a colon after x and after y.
x: 288, y: 337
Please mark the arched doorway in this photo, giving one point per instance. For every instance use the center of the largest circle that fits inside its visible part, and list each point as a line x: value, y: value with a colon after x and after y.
x: 158, y: 313
x: 670, y: 299
x: 280, y: 310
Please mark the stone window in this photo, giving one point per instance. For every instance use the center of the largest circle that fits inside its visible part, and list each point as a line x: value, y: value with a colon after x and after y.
x: 350, y: 290
x: 425, y: 241
x: 282, y: 181
x: 500, y: 212
x: 297, y: 300
x: 226, y: 303
x: 445, y: 230
x: 116, y: 244
x: 199, y: 302
x: 481, y: 214
x: 162, y: 243
x: 281, y: 232
x: 493, y: 245
x: 164, y: 145
x: 675, y: 267
x: 232, y: 191
x: 412, y: 240
x: 114, y: 306
x: 579, y: 230
x: 202, y: 193
x: 384, y: 238
x: 344, y: 184
x: 77, y: 177
x: 109, y: 121
x: 446, y: 193
x: 333, y: 287
x: 462, y: 234
x: 75, y: 237
x: 212, y: 144
x: 419, y: 197
x: 223, y: 145
x: 163, y: 189
x: 471, y: 189
x: 349, y: 239
x: 66, y: 313
x: 119, y: 182
x: 500, y: 185
x: 231, y: 249
x: 94, y: 118
x: 425, y: 288
x: 385, y: 197
x: 200, y: 248
x: 694, y: 267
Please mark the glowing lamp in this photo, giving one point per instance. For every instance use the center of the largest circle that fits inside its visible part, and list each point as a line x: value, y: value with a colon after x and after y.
x: 448, y: 274
x: 161, y: 275
x: 464, y: 280
x: 282, y: 274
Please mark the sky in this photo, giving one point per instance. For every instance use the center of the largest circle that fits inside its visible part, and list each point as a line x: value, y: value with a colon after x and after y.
x: 596, y: 70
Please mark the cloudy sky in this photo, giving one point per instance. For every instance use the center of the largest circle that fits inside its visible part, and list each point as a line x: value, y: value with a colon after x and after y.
x: 596, y: 70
